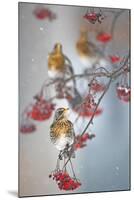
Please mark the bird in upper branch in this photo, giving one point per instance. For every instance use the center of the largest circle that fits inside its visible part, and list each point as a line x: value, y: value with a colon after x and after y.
x: 82, y: 44
x: 61, y: 131
x: 58, y: 63
x: 85, y: 50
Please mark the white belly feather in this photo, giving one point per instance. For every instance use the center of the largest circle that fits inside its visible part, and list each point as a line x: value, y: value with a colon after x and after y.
x: 63, y: 141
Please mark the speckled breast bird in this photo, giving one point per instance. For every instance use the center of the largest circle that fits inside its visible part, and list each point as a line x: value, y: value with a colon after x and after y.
x: 62, y: 131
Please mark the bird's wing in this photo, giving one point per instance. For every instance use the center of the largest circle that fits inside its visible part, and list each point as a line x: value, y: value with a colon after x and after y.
x: 72, y: 150
x: 51, y: 126
x: 72, y: 128
x: 52, y: 135
x: 69, y: 65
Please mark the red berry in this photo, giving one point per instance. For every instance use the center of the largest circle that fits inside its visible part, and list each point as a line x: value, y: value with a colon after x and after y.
x: 42, y: 13
x: 98, y: 87
x: 114, y: 59
x: 65, y: 182
x: 123, y: 93
x: 90, y: 16
x: 104, y: 37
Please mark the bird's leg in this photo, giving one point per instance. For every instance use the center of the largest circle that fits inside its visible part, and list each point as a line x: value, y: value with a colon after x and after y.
x: 61, y: 155
x: 57, y: 164
x: 67, y: 146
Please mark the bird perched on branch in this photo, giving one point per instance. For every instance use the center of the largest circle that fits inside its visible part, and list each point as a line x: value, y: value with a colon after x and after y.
x: 82, y: 44
x: 62, y: 132
x: 85, y: 49
x: 58, y: 63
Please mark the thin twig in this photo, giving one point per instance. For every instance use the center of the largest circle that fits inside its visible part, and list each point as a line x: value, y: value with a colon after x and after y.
x: 114, y: 22
x: 72, y: 169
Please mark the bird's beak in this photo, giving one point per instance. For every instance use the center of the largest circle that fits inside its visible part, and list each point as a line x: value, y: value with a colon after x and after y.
x: 66, y: 109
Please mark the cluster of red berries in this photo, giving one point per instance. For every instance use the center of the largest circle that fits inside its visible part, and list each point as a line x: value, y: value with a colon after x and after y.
x: 114, y: 59
x: 64, y: 181
x: 123, y: 93
x: 93, y: 17
x: 41, y: 110
x: 104, y: 37
x: 89, y: 101
x: 88, y: 107
x: 97, y: 87
x: 27, y: 128
x: 80, y: 141
x: 86, y: 112
x: 44, y: 13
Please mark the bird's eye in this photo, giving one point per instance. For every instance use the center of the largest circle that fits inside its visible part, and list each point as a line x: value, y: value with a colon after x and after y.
x: 60, y: 112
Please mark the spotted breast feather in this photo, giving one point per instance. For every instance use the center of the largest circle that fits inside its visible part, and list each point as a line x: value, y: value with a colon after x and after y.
x: 61, y: 127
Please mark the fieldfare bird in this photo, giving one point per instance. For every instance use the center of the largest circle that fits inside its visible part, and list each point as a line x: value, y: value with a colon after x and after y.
x: 58, y: 63
x: 62, y: 132
x: 85, y: 49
